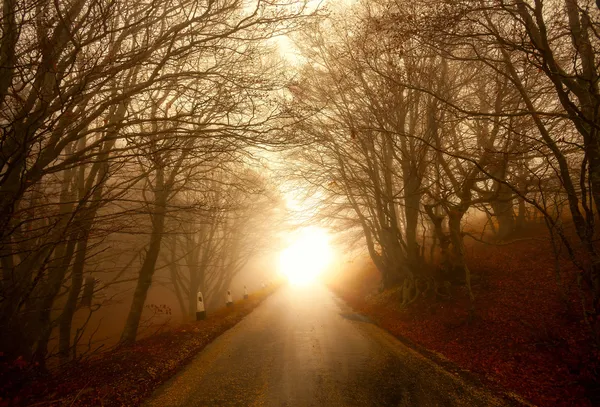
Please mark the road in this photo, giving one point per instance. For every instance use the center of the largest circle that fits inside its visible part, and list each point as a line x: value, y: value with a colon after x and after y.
x: 304, y: 347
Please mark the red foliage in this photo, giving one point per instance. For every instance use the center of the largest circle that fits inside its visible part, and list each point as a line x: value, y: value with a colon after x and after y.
x: 124, y: 376
x: 527, y: 335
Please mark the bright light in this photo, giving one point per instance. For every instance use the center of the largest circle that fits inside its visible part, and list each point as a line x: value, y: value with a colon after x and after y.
x: 307, y: 257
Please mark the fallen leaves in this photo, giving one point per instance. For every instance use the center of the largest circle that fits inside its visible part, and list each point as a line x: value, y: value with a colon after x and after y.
x: 126, y: 376
x: 526, y: 336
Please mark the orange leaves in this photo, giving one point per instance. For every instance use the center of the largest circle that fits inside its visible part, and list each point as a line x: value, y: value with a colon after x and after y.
x: 525, y: 337
x: 126, y: 376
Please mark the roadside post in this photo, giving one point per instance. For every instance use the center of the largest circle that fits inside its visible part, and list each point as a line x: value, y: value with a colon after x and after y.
x: 245, y: 293
x: 229, y: 300
x: 200, y: 310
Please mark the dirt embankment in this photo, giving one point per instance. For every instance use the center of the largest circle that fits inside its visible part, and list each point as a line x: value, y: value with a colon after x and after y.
x: 124, y: 376
x: 527, y: 336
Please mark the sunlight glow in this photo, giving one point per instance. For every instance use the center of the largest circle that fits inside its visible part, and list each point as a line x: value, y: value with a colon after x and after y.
x: 306, y: 258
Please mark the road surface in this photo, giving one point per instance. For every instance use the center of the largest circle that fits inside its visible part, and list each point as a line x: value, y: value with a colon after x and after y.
x: 304, y: 347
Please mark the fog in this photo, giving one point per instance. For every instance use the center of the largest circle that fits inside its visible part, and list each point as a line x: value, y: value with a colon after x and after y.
x: 154, y: 150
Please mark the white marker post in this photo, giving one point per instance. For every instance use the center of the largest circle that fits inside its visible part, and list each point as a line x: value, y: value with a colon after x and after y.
x: 229, y: 300
x: 200, y: 310
x: 245, y: 293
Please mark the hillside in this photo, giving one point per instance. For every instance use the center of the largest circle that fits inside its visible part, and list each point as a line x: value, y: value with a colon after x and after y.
x: 526, y: 336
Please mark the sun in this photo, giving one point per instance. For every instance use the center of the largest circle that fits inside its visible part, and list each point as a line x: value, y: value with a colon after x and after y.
x: 306, y: 258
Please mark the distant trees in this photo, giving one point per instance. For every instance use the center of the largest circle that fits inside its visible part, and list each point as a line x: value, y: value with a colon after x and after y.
x: 110, y: 111
x: 139, y: 119
x: 423, y: 113
x: 209, y: 246
x: 547, y: 54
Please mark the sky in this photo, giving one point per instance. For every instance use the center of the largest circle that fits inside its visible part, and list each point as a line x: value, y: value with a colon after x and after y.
x: 287, y: 48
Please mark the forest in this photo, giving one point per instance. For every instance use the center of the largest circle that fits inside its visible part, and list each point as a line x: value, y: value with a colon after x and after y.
x: 154, y: 145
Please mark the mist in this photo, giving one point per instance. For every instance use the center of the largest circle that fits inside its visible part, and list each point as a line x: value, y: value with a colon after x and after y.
x: 179, y: 167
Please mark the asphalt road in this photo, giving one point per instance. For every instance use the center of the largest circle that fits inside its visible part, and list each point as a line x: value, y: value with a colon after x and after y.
x: 304, y: 347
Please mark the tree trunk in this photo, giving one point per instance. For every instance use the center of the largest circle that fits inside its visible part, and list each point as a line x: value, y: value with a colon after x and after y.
x: 522, y: 215
x: 44, y: 324
x: 503, y: 211
x: 594, y: 274
x: 175, y: 279
x: 412, y: 203
x: 194, y: 285
x: 148, y: 267
x: 456, y: 271
x: 66, y: 319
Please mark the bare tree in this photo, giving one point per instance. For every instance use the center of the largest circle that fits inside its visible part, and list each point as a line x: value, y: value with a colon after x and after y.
x: 88, y: 89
